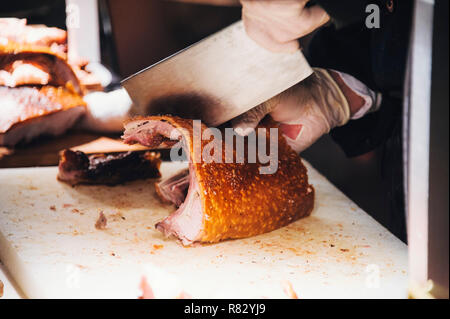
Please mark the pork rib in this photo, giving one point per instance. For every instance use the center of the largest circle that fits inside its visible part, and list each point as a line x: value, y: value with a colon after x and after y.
x: 224, y: 200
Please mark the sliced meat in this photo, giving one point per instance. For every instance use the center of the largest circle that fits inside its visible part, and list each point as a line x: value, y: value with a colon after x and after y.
x: 101, y: 222
x: 159, y: 134
x: 108, y: 169
x: 28, y: 112
x: 14, y: 56
x: 173, y: 190
x: 226, y: 200
x: 187, y: 223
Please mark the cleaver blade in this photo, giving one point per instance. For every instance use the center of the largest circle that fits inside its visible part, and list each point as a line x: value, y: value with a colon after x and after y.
x: 216, y: 79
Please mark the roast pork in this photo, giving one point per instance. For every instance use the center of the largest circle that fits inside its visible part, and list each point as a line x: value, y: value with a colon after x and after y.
x: 76, y: 167
x: 224, y: 200
x: 28, y: 112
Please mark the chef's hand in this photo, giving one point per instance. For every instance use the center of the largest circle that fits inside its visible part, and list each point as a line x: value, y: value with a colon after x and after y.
x: 106, y: 111
x: 277, y: 24
x: 308, y: 110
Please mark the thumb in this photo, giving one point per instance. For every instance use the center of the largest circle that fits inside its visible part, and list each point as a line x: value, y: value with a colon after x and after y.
x: 245, y: 123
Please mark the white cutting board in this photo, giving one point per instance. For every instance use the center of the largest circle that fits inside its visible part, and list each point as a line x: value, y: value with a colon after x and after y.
x: 337, y: 252
x: 10, y: 291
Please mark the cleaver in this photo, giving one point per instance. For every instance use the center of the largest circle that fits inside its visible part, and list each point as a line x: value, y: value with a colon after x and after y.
x: 216, y: 79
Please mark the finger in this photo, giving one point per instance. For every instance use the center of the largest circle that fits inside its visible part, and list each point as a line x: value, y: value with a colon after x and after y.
x: 276, y: 25
x: 245, y: 123
x: 257, y: 30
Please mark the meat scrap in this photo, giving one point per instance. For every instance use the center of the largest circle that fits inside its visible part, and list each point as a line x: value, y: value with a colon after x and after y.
x: 76, y: 167
x: 101, y: 222
x: 225, y: 200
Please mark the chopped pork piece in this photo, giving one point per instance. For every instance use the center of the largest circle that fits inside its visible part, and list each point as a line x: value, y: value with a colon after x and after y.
x: 28, y: 112
x: 109, y: 169
x: 225, y: 200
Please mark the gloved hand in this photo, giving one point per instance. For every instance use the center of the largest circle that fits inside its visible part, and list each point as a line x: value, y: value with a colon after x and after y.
x: 313, y: 107
x: 106, y: 111
x: 277, y: 24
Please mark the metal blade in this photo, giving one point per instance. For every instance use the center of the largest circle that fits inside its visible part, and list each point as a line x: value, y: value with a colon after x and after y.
x: 215, y: 79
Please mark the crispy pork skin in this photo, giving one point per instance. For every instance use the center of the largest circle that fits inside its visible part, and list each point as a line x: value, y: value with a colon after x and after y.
x: 28, y: 112
x: 76, y: 167
x: 225, y: 200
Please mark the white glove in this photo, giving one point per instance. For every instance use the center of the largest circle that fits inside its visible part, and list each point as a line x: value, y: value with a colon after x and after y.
x: 309, y: 109
x: 106, y: 112
x: 372, y: 100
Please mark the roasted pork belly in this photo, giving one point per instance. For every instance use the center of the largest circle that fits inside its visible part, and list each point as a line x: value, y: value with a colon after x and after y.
x: 34, y: 65
x: 76, y: 167
x: 224, y: 200
x: 28, y: 112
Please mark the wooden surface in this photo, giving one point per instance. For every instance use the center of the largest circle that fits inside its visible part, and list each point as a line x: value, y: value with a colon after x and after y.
x: 44, y: 151
x: 49, y: 244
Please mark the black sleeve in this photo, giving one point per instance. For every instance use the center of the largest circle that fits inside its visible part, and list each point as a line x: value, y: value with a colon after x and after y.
x: 376, y: 57
x: 360, y: 136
